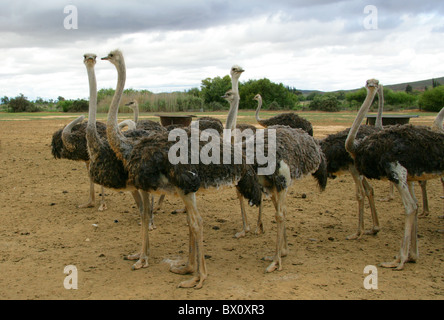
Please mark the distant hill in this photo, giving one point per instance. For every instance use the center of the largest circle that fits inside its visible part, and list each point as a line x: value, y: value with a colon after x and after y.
x: 416, y: 85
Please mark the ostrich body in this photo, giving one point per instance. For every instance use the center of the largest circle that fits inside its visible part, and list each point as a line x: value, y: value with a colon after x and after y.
x: 150, y: 170
x: 106, y: 169
x: 290, y: 119
x: 338, y: 161
x: 402, y: 154
x: 297, y: 154
x: 70, y: 143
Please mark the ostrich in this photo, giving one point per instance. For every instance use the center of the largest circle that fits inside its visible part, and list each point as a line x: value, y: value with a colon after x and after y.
x: 127, y: 123
x: 150, y: 169
x: 235, y: 73
x: 143, y: 124
x: 290, y: 119
x: 297, y: 154
x: 204, y: 123
x: 339, y: 160
x: 70, y: 143
x: 402, y: 154
x: 106, y: 169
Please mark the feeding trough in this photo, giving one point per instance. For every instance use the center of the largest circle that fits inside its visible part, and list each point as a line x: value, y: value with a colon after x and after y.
x: 390, y: 119
x: 167, y: 120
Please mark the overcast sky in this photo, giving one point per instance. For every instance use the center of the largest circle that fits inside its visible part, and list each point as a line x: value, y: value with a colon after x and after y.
x: 173, y: 45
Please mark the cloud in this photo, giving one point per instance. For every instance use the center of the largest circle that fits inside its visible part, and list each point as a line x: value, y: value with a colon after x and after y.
x: 173, y: 45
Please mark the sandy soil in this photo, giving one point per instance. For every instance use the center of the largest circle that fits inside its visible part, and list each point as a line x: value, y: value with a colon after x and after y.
x: 42, y: 231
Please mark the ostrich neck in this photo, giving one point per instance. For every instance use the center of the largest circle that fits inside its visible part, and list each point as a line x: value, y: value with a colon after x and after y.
x: 437, y: 124
x: 232, y: 114
x: 116, y: 140
x: 378, y: 121
x: 92, y: 136
x: 234, y: 107
x: 259, y: 106
x: 136, y: 113
x: 66, y: 133
x: 350, y: 142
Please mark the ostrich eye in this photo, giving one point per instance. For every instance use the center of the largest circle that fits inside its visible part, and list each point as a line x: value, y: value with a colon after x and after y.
x: 111, y: 55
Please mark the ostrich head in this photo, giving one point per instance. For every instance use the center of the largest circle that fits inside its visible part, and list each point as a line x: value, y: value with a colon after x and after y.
x: 257, y: 97
x: 372, y: 83
x: 132, y: 104
x: 115, y: 57
x: 236, y: 71
x: 89, y: 59
x: 229, y: 96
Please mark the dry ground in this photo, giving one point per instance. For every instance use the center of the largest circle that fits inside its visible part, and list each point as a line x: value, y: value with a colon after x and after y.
x: 42, y: 231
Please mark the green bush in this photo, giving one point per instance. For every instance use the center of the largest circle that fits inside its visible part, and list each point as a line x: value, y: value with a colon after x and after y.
x: 327, y: 102
x: 22, y: 104
x: 432, y: 100
x: 79, y: 105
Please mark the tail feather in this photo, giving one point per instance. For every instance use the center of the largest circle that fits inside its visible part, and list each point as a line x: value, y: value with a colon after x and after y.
x: 321, y: 174
x: 249, y: 187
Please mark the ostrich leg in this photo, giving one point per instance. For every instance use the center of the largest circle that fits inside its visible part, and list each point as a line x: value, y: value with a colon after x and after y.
x: 92, y: 196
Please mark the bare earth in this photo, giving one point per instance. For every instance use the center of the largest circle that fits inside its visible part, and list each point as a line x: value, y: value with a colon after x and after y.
x: 42, y: 231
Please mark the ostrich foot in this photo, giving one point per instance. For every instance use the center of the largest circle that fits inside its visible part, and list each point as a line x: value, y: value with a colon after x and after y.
x: 354, y: 236
x: 142, y: 261
x: 102, y: 207
x: 275, y: 265
x: 397, y: 264
x: 242, y: 233
x: 358, y: 235
x: 423, y: 214
x: 184, y: 269
x: 151, y: 226
x: 195, y: 282
x: 259, y: 229
x: 90, y: 204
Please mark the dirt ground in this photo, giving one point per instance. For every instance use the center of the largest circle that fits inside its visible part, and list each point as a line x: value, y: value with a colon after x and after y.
x: 42, y: 231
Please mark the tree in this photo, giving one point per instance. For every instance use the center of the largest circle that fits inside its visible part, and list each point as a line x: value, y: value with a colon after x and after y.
x: 408, y: 89
x: 213, y: 89
x: 276, y: 94
x: 21, y: 104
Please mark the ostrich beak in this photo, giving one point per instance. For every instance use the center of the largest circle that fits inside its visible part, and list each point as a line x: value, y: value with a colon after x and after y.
x: 104, y: 58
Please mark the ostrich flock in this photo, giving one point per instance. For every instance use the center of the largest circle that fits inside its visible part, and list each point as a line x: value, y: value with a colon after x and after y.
x: 137, y: 160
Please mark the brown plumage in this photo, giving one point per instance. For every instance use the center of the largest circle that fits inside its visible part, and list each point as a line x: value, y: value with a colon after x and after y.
x: 150, y: 169
x: 244, y: 126
x: 297, y: 154
x: 78, y: 150
x: 401, y: 154
x: 73, y: 146
x: 290, y: 119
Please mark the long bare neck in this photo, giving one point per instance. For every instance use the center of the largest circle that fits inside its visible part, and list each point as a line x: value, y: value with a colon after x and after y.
x: 92, y: 136
x: 116, y: 139
x: 232, y: 113
x: 67, y: 131
x: 136, y: 113
x: 234, y: 107
x: 259, y: 106
x: 437, y: 124
x: 378, y: 121
x: 350, y: 142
